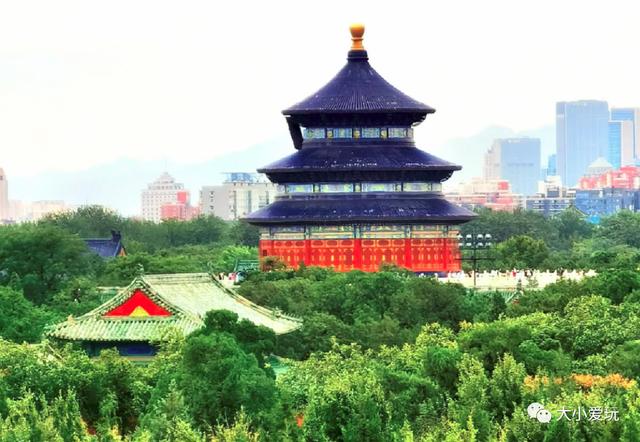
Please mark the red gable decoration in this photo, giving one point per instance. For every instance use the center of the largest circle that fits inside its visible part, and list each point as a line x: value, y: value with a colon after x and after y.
x: 138, y: 305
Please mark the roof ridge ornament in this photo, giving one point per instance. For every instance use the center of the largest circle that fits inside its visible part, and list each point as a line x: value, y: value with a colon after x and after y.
x: 357, y: 51
x: 357, y: 31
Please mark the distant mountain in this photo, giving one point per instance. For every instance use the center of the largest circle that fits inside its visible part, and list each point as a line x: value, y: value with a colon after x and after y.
x: 118, y: 183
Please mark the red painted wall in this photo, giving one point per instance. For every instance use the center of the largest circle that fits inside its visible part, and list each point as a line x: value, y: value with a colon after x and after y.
x: 138, y: 299
x: 418, y: 255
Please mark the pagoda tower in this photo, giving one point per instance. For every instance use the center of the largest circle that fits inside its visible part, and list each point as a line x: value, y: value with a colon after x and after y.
x: 357, y: 192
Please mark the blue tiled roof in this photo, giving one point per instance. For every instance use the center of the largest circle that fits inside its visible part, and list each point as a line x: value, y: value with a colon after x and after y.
x: 372, y: 208
x: 106, y: 247
x: 358, y: 88
x: 359, y: 157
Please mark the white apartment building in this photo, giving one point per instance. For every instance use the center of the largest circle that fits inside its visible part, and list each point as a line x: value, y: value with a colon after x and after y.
x: 162, y: 191
x: 237, y: 197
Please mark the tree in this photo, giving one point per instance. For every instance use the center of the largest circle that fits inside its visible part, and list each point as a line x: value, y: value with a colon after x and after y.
x: 30, y: 419
x: 505, y: 225
x: 142, y: 236
x: 614, y: 284
x: 240, y: 431
x: 551, y: 299
x: 255, y: 339
x: 522, y: 252
x: 244, y: 234
x: 439, y: 355
x: 472, y: 403
x: 272, y: 263
x: 504, y: 386
x: 42, y: 259
x: 227, y: 257
x: 625, y: 359
x: 483, y: 306
x: 621, y: 228
x: 425, y: 300
x: 489, y: 341
x: 341, y: 396
x: 601, y: 254
x: 169, y: 420
x: 571, y: 227
x: 21, y: 320
x: 87, y: 221
x: 220, y: 379
x: 590, y: 324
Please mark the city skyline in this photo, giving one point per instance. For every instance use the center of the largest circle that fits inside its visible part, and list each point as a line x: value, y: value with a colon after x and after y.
x: 84, y: 96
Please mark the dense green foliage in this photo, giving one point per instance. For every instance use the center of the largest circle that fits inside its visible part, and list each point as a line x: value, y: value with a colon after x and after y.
x: 384, y: 356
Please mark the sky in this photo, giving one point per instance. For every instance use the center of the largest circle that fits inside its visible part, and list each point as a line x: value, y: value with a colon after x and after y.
x: 84, y: 83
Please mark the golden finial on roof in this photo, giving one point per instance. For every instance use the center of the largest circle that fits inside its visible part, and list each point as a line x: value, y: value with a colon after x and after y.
x: 357, y: 31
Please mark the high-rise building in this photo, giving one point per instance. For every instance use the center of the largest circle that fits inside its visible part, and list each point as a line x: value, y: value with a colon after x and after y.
x: 162, y: 191
x: 552, y: 168
x: 240, y: 194
x: 358, y: 193
x: 631, y: 114
x: 621, y: 147
x: 582, y: 135
x: 516, y: 160
x: 181, y: 210
x: 4, y: 196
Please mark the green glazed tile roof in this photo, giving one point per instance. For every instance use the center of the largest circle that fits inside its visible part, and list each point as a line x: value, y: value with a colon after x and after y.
x: 187, y: 296
x: 125, y: 329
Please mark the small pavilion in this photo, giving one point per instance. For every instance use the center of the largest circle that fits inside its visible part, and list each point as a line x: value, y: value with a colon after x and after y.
x: 143, y: 312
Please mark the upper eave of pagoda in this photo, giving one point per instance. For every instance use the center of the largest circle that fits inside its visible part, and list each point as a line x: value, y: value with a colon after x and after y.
x: 359, y: 89
x: 358, y: 157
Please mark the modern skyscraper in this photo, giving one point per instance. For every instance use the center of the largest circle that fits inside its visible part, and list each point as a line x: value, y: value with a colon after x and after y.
x: 4, y: 196
x: 162, y: 191
x: 552, y: 168
x: 582, y: 135
x: 516, y: 160
x: 629, y: 114
x: 621, y: 150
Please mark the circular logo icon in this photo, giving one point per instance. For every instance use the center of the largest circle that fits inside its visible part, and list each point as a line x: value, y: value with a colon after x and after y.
x: 532, y: 409
x: 543, y: 416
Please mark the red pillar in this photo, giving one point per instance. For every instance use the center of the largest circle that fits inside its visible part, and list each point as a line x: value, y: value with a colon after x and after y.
x: 445, y: 254
x: 357, y: 254
x: 408, y: 261
x: 307, y: 252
